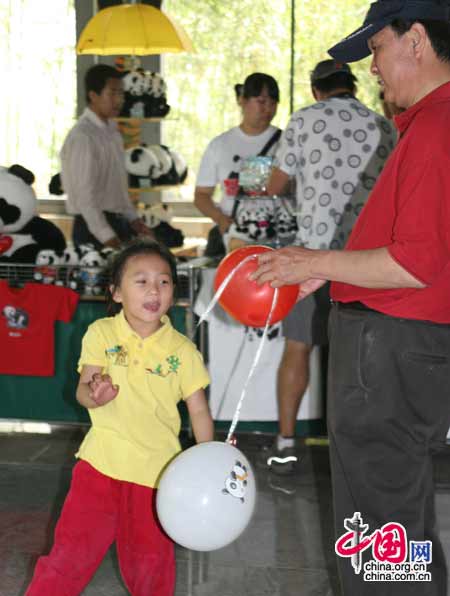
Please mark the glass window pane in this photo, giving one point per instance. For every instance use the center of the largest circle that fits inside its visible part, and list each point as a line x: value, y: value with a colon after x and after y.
x: 38, y: 65
x: 235, y: 38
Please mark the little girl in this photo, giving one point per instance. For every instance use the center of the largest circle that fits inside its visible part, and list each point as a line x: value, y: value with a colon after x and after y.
x: 134, y: 368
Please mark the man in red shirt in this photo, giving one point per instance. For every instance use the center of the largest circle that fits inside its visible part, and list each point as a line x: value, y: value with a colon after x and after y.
x: 388, y: 405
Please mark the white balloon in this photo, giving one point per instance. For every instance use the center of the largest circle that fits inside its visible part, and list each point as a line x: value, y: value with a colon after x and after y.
x: 206, y: 496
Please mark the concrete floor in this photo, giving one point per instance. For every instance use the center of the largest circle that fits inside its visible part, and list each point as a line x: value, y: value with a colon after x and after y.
x: 287, y: 550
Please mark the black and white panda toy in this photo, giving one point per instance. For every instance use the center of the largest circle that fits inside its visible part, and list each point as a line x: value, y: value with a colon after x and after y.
x: 134, y: 88
x: 172, y: 168
x: 180, y: 166
x: 154, y: 165
x: 140, y: 164
x: 155, y: 98
x: 22, y: 232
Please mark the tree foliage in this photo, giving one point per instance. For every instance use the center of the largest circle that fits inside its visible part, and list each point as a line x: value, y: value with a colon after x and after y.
x: 235, y: 38
x: 38, y: 63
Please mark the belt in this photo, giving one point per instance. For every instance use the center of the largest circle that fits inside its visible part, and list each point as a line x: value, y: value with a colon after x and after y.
x: 354, y: 306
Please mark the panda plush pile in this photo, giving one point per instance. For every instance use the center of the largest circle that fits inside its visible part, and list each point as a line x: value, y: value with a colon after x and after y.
x: 144, y: 95
x: 154, y: 165
x: 22, y: 232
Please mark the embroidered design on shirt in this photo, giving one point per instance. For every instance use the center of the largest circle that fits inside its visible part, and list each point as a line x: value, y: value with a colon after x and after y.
x: 173, y: 366
x: 118, y: 355
x: 16, y: 318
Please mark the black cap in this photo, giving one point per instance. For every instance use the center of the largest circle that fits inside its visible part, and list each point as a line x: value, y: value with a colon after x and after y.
x: 326, y: 68
x: 355, y: 47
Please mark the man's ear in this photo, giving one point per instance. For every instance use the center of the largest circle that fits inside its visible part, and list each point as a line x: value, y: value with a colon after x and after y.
x: 92, y: 95
x: 418, y: 37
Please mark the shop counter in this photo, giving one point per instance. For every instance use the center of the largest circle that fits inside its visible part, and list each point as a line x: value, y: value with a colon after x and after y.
x: 52, y: 399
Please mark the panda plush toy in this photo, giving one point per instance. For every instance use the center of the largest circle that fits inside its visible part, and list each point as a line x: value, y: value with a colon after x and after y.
x: 140, y: 164
x: 171, y: 168
x: 22, y: 232
x: 134, y: 92
x: 155, y: 98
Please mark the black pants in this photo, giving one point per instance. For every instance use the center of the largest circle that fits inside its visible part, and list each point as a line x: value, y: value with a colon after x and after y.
x: 120, y: 225
x: 388, y: 411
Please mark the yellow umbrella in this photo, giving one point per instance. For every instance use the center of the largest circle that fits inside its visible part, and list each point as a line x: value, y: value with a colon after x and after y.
x: 133, y: 29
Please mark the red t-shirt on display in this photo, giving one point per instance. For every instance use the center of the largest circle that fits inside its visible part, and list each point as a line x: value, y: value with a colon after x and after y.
x: 27, y: 327
x: 408, y: 212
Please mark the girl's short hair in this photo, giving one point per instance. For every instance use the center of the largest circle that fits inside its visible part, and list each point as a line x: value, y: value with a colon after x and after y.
x: 119, y: 261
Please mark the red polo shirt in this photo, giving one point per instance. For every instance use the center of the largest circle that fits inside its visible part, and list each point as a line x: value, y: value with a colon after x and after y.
x: 27, y: 327
x: 408, y: 212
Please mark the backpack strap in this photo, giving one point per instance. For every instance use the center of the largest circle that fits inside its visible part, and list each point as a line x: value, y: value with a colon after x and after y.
x: 271, y: 142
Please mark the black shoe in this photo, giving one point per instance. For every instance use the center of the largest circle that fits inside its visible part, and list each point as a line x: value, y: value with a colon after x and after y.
x: 280, y: 461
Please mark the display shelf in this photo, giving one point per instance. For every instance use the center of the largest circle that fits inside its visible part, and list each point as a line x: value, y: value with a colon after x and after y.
x: 89, y: 282
x: 137, y: 120
x: 160, y: 188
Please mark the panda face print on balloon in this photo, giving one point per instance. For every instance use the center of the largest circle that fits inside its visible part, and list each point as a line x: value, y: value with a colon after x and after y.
x: 236, y: 482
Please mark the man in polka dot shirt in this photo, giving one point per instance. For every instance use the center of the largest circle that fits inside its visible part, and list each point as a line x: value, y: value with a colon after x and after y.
x: 335, y: 150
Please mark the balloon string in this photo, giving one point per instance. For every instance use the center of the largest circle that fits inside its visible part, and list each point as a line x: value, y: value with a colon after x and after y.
x: 203, y: 317
x: 222, y: 287
x: 252, y: 369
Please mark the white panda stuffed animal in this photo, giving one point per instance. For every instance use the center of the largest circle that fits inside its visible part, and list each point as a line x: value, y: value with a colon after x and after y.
x: 155, y: 98
x: 180, y: 166
x: 164, y: 173
x: 92, y: 266
x: 153, y: 215
x: 46, y: 270
x: 134, y: 85
x: 69, y: 271
x: 22, y: 232
x: 140, y: 164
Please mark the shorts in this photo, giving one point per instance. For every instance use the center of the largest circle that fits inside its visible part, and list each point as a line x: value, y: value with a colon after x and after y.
x: 307, y: 322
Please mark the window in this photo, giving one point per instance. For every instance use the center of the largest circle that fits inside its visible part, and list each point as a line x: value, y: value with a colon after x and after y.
x: 235, y: 38
x: 38, y: 100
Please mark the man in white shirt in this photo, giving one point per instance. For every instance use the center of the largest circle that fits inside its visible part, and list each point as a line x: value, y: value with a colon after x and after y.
x: 93, y: 167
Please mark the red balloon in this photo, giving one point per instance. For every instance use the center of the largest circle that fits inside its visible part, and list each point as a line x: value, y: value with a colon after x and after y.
x: 245, y: 300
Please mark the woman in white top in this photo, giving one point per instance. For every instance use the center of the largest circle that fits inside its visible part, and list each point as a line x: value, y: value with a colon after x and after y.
x: 221, y: 161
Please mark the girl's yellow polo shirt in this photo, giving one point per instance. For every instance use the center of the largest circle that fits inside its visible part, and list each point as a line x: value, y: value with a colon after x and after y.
x: 134, y: 436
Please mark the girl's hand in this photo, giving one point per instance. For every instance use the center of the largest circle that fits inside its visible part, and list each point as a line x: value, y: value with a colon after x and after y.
x: 102, y: 390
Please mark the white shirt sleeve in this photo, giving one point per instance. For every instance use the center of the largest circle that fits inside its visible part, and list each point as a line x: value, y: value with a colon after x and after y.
x: 208, y: 171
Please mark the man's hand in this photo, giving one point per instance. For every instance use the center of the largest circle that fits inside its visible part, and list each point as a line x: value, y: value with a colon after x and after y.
x: 142, y: 229
x: 102, y: 390
x: 284, y: 267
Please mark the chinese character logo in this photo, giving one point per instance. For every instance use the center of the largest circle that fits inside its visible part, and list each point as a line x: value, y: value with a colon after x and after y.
x: 388, y: 544
x: 390, y: 552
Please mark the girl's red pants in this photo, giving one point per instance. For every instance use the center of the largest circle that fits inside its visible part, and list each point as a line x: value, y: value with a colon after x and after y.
x: 98, y: 511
